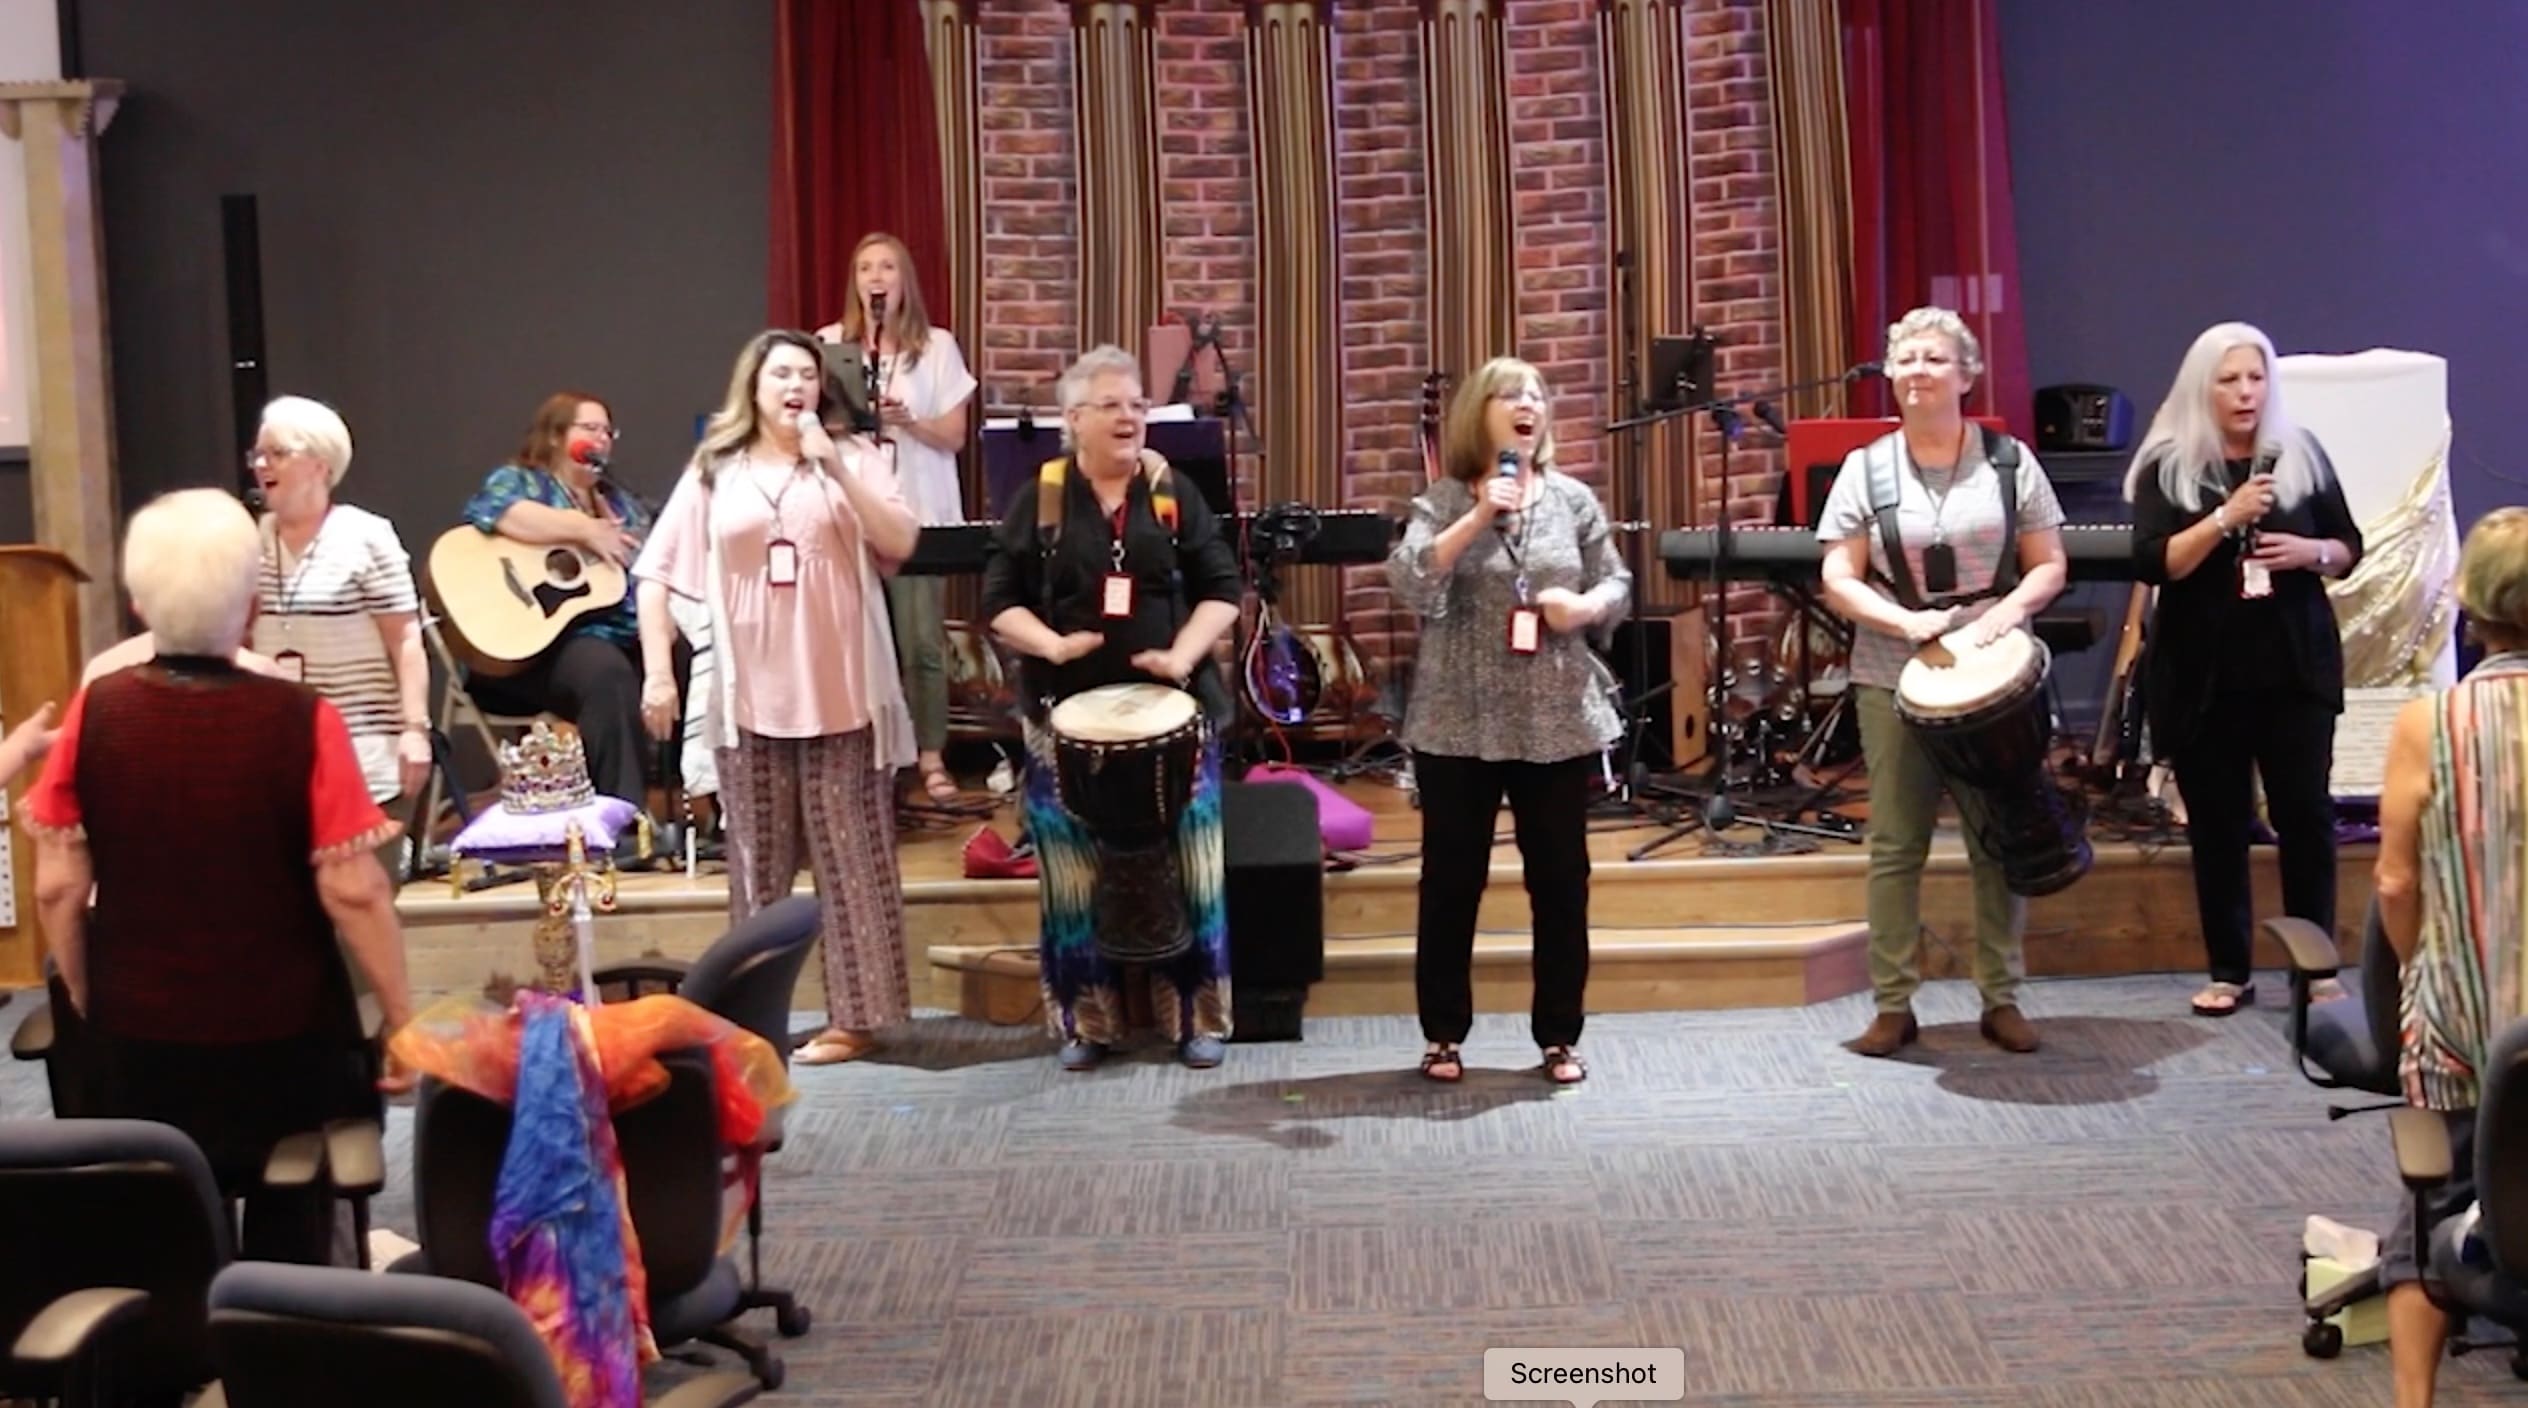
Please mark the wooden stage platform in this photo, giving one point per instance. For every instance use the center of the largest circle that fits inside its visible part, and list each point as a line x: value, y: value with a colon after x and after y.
x: 1691, y: 928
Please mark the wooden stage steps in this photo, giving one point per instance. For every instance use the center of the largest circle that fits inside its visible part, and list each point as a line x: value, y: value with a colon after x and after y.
x: 1688, y: 931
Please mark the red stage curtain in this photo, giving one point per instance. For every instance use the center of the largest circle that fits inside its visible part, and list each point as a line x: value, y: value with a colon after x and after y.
x: 1932, y: 217
x: 855, y: 148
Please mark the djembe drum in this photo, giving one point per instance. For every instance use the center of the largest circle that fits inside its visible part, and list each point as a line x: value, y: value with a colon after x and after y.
x: 1125, y: 758
x: 1979, y: 711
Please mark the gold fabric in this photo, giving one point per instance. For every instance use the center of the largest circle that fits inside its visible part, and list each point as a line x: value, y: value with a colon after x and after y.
x: 2395, y: 610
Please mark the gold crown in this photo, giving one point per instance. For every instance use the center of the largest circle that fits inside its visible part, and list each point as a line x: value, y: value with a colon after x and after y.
x: 544, y: 772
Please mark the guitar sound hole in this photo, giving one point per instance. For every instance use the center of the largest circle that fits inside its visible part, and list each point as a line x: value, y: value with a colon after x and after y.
x: 562, y: 565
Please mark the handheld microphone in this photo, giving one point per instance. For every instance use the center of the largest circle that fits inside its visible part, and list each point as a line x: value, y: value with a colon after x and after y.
x: 1507, y: 467
x: 869, y: 358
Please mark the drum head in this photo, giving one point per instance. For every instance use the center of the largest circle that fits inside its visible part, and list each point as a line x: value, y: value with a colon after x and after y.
x: 1953, y: 676
x: 1123, y: 713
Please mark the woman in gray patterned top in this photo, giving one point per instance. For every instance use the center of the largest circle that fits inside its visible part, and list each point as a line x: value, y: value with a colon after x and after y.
x: 1507, y: 562
x: 1953, y: 527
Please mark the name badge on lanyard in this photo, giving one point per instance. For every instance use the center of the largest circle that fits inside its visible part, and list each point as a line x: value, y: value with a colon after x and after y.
x: 292, y: 666
x: 1527, y: 624
x: 2255, y: 579
x: 1116, y: 600
x: 781, y: 563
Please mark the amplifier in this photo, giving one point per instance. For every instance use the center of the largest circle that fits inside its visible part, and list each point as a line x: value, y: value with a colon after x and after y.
x: 2082, y: 418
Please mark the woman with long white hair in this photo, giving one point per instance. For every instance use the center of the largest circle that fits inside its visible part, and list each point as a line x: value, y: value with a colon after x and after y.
x: 2238, y: 519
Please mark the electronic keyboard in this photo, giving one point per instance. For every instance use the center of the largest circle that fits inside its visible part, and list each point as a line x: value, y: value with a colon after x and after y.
x: 2098, y: 552
x: 1351, y: 536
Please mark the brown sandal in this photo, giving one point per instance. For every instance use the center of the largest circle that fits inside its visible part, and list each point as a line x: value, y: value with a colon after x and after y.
x: 833, y: 1049
x: 939, y: 786
x: 1559, y: 1059
x: 1444, y: 1056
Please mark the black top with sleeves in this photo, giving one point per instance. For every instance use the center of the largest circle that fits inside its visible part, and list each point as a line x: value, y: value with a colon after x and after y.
x: 1066, y: 588
x: 2206, y: 640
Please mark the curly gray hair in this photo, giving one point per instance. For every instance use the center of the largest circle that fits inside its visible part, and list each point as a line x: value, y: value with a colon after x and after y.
x: 1970, y: 353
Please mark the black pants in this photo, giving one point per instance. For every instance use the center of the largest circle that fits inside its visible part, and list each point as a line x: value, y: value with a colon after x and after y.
x: 1549, y: 807
x: 595, y: 684
x: 2288, y: 740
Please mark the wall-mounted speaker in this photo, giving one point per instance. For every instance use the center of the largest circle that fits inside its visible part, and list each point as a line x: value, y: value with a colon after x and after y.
x: 2082, y: 418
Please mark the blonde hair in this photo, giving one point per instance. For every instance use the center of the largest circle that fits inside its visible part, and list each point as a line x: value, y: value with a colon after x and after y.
x: 1466, y: 443
x: 1928, y: 319
x: 735, y: 425
x: 312, y: 426
x: 190, y: 561
x: 2183, y: 447
x: 2493, y: 578
x: 906, y: 316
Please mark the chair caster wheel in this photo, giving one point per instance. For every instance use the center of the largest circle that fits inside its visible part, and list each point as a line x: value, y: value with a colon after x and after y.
x: 2324, y: 1341
x: 792, y: 1321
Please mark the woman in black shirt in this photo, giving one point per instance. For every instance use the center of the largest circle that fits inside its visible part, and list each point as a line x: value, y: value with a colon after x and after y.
x: 1136, y: 584
x: 2238, y: 519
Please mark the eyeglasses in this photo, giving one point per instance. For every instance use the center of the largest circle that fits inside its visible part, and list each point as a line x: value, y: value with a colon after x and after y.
x: 1523, y: 394
x: 597, y: 427
x: 1113, y: 407
x: 272, y: 454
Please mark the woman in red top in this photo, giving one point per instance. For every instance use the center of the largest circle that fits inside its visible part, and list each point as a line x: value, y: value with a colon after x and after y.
x: 221, y: 821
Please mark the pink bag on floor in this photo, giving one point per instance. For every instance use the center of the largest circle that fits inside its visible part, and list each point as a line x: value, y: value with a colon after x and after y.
x: 1342, y: 822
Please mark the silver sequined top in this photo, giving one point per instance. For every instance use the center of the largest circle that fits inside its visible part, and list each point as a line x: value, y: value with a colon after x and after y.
x: 1474, y: 698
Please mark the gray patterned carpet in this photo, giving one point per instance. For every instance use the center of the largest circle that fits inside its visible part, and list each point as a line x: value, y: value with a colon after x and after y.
x: 2113, y: 1221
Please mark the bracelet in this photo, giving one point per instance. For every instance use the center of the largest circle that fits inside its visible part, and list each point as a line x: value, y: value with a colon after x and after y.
x: 2220, y: 518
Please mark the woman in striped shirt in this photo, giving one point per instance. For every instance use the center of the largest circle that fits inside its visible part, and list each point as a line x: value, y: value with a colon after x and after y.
x: 337, y: 609
x: 2453, y: 851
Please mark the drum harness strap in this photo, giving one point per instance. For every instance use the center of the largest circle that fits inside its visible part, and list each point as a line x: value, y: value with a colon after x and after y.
x: 1885, y: 468
x: 1052, y: 481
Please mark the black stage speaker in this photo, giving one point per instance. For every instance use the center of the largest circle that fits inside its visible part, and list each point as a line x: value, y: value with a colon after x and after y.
x: 1656, y: 664
x: 2082, y: 418
x: 1275, y: 860
x: 241, y: 259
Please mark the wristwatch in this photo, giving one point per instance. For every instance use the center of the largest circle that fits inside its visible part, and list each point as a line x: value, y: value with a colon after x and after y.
x: 2220, y: 519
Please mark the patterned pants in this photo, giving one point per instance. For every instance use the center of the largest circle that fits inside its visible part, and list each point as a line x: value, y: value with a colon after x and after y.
x: 1085, y: 993
x: 819, y: 800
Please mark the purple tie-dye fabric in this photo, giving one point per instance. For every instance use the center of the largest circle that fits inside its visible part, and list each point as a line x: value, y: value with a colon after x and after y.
x: 561, y: 1232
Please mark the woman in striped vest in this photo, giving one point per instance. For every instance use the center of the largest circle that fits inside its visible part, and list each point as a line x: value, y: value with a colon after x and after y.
x: 2453, y: 851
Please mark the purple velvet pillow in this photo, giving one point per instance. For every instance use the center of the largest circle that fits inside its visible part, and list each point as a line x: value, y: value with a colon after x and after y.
x: 503, y: 836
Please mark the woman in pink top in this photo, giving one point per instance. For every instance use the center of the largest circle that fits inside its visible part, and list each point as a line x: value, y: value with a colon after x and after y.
x: 783, y: 533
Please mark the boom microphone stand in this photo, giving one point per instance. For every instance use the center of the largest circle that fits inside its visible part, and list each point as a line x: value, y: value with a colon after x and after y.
x: 1718, y: 810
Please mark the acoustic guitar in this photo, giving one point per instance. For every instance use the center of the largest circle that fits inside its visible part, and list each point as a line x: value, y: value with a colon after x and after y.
x: 502, y: 603
x: 2119, y: 736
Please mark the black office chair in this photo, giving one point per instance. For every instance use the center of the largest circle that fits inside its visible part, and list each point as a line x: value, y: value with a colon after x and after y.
x: 2350, y: 1042
x: 750, y: 976
x: 347, y: 1156
x: 2346, y: 1043
x: 110, y: 1233
x: 2493, y: 1284
x: 307, y: 1336
x: 672, y: 1162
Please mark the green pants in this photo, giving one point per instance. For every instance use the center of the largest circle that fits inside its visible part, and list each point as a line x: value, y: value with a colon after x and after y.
x: 918, y: 608
x: 1905, y: 787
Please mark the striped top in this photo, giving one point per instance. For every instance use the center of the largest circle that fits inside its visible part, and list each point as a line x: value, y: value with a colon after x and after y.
x: 324, y: 604
x: 2463, y: 984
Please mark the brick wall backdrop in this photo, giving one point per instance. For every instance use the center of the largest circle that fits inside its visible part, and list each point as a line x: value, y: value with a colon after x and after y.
x: 1558, y: 173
